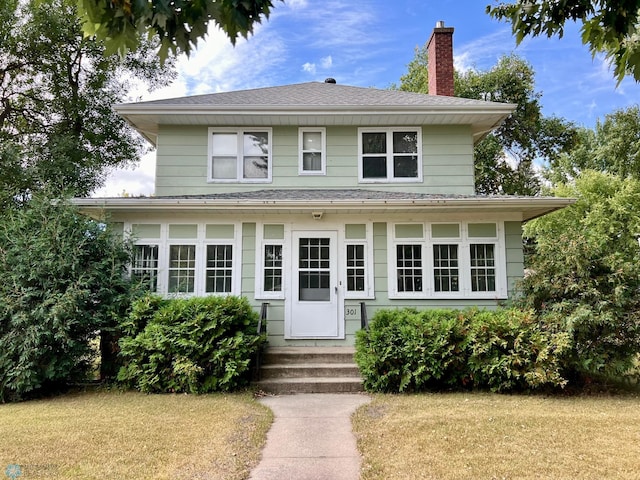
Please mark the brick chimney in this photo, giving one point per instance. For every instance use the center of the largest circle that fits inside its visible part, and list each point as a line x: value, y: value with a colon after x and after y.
x: 440, y: 60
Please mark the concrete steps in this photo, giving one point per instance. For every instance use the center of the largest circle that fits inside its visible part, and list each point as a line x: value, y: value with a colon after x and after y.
x: 288, y: 370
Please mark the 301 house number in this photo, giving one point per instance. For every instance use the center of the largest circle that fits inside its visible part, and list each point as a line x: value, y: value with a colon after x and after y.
x: 350, y: 311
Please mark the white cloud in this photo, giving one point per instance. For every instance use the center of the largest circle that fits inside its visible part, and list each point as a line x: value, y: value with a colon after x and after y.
x: 309, y: 68
x: 135, y: 182
x: 326, y: 62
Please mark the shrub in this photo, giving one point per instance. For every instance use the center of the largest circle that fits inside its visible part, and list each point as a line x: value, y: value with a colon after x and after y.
x: 503, y: 350
x: 408, y: 350
x: 194, y: 345
x: 510, y: 350
x: 63, y: 282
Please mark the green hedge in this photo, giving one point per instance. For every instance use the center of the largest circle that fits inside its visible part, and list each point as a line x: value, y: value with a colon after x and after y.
x: 194, y: 345
x: 503, y: 350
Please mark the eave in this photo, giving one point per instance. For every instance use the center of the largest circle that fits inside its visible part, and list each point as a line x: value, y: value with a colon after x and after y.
x: 526, y: 208
x: 147, y: 119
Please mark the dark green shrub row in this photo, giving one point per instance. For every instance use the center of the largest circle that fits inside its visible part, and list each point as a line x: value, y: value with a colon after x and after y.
x: 194, y: 345
x: 503, y: 350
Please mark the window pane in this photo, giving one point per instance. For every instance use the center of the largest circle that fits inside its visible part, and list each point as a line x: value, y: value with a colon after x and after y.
x: 405, y: 142
x: 182, y: 268
x: 355, y: 268
x: 256, y: 143
x: 445, y: 268
x: 483, y: 272
x: 145, y: 266
x: 374, y: 167
x: 224, y: 144
x: 273, y: 268
x: 311, y: 162
x: 256, y: 167
x: 405, y: 167
x: 374, y: 142
x: 224, y: 167
x: 219, y: 271
x: 409, y: 268
x: 312, y: 141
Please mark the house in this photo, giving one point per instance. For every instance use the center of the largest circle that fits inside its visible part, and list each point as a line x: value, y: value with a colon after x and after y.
x: 319, y: 197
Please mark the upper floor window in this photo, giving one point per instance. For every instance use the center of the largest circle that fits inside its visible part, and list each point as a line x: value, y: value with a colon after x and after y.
x: 240, y: 155
x: 312, y: 146
x: 390, y: 154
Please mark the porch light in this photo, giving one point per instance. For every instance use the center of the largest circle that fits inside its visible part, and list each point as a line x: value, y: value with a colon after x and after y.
x: 317, y: 215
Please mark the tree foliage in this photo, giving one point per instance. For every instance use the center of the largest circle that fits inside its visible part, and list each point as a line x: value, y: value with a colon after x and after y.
x: 178, y: 25
x: 585, y: 272
x: 613, y: 146
x: 608, y: 26
x: 504, y: 159
x: 63, y: 281
x: 57, y: 127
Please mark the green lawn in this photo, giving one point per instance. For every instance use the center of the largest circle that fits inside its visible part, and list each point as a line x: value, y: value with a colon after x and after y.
x: 485, y: 436
x: 110, y: 435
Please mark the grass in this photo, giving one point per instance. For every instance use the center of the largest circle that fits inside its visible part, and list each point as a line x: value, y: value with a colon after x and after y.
x: 112, y: 435
x: 485, y: 436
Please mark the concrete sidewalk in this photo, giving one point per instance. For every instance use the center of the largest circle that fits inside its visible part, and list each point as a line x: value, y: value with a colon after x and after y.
x: 311, y: 438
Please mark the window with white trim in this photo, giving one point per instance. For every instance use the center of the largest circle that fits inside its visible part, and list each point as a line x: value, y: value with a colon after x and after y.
x: 144, y: 268
x: 483, y: 267
x: 272, y: 271
x: 409, y: 267
x: 219, y: 269
x: 390, y: 154
x: 312, y: 157
x: 356, y: 268
x: 451, y: 260
x: 182, y: 268
x: 240, y: 155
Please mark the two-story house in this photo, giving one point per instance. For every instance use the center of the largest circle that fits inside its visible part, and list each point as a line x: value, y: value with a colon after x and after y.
x: 316, y: 197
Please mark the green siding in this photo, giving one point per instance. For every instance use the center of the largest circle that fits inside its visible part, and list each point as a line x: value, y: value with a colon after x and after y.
x: 514, y: 253
x: 182, y: 162
x: 248, y: 260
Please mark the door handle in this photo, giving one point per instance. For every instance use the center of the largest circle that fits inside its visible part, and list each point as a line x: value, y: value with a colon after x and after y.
x: 335, y: 289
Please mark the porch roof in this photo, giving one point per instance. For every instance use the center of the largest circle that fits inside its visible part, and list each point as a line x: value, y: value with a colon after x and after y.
x: 349, y: 201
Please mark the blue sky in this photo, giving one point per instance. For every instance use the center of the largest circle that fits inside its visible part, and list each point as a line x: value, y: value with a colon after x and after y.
x: 369, y: 43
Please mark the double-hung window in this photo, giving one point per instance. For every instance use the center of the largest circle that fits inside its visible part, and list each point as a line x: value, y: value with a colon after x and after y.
x: 407, y: 260
x: 182, y: 268
x: 219, y: 269
x: 312, y: 145
x: 144, y: 268
x: 240, y: 155
x: 270, y: 261
x: 390, y: 154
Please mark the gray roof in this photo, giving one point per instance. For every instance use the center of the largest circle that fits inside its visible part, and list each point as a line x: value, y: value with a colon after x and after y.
x: 282, y: 201
x: 316, y: 94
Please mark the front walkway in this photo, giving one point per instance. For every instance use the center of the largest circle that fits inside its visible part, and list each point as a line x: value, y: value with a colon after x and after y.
x: 311, y: 438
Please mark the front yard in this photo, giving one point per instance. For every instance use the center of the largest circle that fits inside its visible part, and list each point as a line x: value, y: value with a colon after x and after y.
x: 111, y: 435
x: 485, y: 436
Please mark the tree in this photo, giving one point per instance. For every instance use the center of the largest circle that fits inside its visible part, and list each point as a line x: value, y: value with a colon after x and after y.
x: 613, y: 146
x: 504, y: 159
x: 611, y: 27
x: 57, y: 88
x: 178, y: 25
x: 63, y: 282
x: 585, y: 272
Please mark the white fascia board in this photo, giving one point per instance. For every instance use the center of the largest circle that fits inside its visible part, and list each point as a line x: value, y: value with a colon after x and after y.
x: 529, y: 207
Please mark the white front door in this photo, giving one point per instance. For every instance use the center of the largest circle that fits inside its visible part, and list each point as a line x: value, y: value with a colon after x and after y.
x: 313, y: 299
